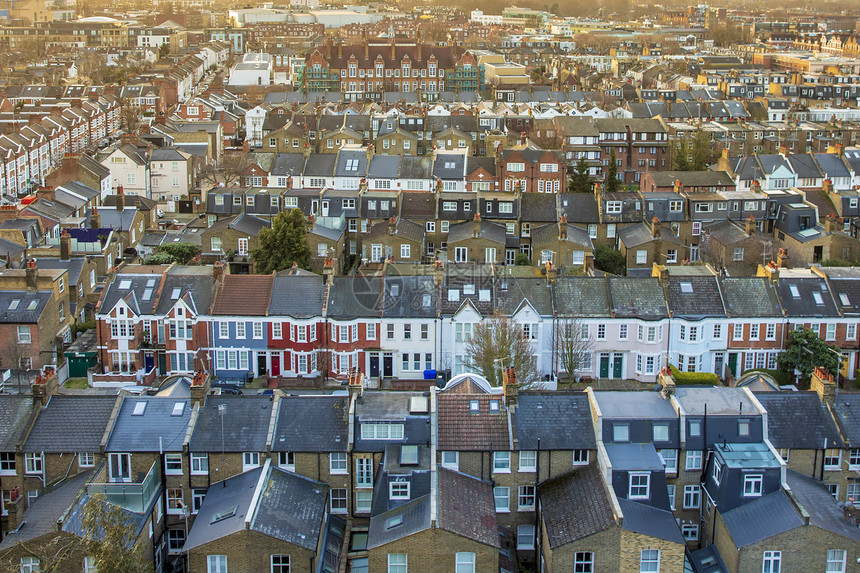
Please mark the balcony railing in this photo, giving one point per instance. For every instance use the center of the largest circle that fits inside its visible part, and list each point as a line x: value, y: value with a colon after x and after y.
x: 135, y: 497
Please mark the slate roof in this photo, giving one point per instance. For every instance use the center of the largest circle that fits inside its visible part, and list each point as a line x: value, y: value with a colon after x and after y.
x: 538, y: 416
x: 720, y: 401
x: 805, y: 304
x: 575, y: 505
x: 637, y: 298
x: 487, y: 230
x: 522, y: 290
x: 582, y: 296
x: 195, y: 289
x: 763, y: 518
x: 47, y: 510
x: 16, y: 411
x: 694, y: 297
x: 236, y: 491
x: 750, y: 297
x: 416, y: 167
x: 691, y: 178
x: 156, y: 430
x: 23, y: 312
x: 70, y: 424
x: 415, y: 517
x: 298, y: 296
x: 651, y: 521
x: 356, y: 296
x: 460, y: 429
x: 847, y: 295
x: 634, y: 404
x: 823, y: 510
x: 320, y: 165
x: 254, y: 292
x: 579, y: 207
x: 789, y: 411
x: 421, y: 206
x: 327, y: 415
x: 846, y: 408
x: 246, y: 424
x: 288, y: 164
x: 291, y: 508
x: 410, y: 297
x: 466, y: 507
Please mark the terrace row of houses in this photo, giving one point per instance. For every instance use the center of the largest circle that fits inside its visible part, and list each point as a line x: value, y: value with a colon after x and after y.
x: 471, y: 476
x: 390, y: 325
x: 32, y: 152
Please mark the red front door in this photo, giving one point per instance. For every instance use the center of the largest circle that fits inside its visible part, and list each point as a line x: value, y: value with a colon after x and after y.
x: 276, y: 365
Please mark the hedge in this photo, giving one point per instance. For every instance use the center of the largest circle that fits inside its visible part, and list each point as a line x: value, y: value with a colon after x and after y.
x: 694, y: 378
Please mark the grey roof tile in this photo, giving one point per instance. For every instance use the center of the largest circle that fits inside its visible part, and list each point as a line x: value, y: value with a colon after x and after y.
x: 788, y: 411
x: 16, y: 411
x: 299, y: 296
x: 760, y: 519
x: 823, y: 510
x: 651, y: 521
x: 574, y: 506
x: 750, y: 297
x: 70, y: 424
x: 538, y: 416
x: 637, y: 298
x: 582, y: 297
x: 694, y: 297
x: 245, y: 420
x: 327, y: 415
x: 466, y: 507
x: 157, y: 429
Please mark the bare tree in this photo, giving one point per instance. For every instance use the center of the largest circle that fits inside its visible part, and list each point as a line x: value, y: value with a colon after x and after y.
x: 572, y: 350
x: 129, y: 116
x: 13, y: 353
x: 499, y: 342
x: 231, y: 167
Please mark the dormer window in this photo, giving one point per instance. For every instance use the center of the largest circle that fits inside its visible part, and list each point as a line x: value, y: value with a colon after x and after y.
x: 661, y: 432
x: 639, y: 486
x: 398, y: 489
x: 752, y: 485
x: 474, y: 406
x: 620, y: 433
x: 718, y: 472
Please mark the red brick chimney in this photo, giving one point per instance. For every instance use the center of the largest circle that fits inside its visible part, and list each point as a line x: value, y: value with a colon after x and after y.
x: 120, y: 198
x: 65, y: 245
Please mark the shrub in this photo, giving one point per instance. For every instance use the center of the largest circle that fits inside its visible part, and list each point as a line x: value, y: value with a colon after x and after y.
x: 694, y: 378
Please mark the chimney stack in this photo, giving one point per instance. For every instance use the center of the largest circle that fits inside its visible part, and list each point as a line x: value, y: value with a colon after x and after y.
x: 512, y: 389
x: 822, y: 382
x: 217, y: 272
x: 201, y: 384
x: 32, y: 275
x: 655, y: 228
x: 8, y: 212
x: 328, y: 269
x: 749, y: 227
x: 562, y: 228
x: 438, y: 272
x: 392, y: 225
x: 476, y: 225
x: 95, y: 218
x: 65, y: 245
x: 782, y: 259
x: 827, y: 187
x: 830, y: 223
x: 723, y: 163
x: 120, y: 198
x: 356, y: 385
x: 44, y: 386
x: 679, y: 187
x: 370, y: 151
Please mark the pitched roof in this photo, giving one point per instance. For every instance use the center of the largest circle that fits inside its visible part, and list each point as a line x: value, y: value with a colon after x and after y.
x: 70, y: 424
x: 574, y: 506
x: 291, y: 508
x: 750, y: 296
x: 463, y: 429
x: 15, y: 415
x: 538, y: 416
x: 823, y: 510
x: 846, y: 407
x: 297, y: 296
x: 326, y: 414
x: 694, y: 296
x: 788, y: 411
x: 650, y: 520
x: 245, y: 424
x: 254, y: 292
x: 47, y: 510
x: 466, y: 506
x: 582, y: 296
x: 763, y: 518
x: 385, y: 527
x: 155, y: 428
x: 637, y: 298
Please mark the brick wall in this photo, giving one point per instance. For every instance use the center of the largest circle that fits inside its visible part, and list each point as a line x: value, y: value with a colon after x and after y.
x: 433, y: 550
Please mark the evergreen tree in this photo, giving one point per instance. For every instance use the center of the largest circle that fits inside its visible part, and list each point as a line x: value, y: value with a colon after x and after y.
x: 681, y: 155
x: 692, y: 154
x: 286, y: 242
x: 612, y: 176
x: 580, y: 180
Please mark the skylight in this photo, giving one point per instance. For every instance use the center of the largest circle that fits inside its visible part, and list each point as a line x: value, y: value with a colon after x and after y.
x: 352, y: 164
x: 175, y: 294
x: 418, y: 405
x: 391, y: 523
x: 14, y: 304
x: 150, y: 283
x: 147, y: 294
x: 818, y: 298
x: 425, y: 301
x: 687, y: 288
x: 468, y: 289
x: 474, y: 405
x: 844, y: 298
x: 794, y: 292
x: 33, y: 304
x: 408, y: 455
x: 125, y: 284
x: 139, y: 408
x: 395, y: 290
x: 484, y: 295
x: 178, y: 408
x: 453, y: 295
x: 224, y: 514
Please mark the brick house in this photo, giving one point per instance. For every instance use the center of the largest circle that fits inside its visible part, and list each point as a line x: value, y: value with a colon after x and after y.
x: 532, y: 171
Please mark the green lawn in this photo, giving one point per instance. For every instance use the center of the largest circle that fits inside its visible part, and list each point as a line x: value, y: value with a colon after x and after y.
x: 76, y: 383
